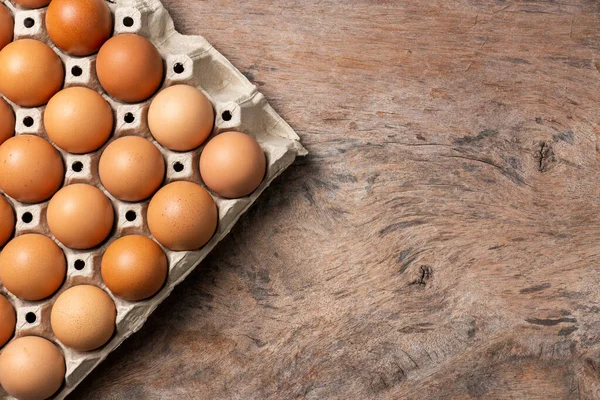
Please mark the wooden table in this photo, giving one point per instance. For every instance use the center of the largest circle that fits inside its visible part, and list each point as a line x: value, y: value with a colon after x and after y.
x: 440, y: 241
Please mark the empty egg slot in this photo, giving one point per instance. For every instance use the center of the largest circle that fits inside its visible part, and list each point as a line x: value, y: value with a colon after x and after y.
x: 129, y: 20
x: 28, y: 121
x: 131, y: 119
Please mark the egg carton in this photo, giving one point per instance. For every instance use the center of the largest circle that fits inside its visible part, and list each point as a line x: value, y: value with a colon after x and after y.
x: 238, y: 106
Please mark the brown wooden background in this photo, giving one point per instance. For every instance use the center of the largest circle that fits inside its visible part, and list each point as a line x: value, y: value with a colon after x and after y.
x: 440, y: 241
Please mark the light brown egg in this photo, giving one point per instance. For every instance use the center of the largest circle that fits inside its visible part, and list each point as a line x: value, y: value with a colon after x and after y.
x: 30, y: 72
x: 32, y: 3
x: 129, y: 68
x: 132, y: 168
x: 134, y: 267
x: 181, y: 118
x: 9, y: 320
x: 31, y: 368
x: 32, y: 267
x: 78, y: 120
x: 83, y: 318
x: 7, y: 26
x: 80, y: 216
x: 233, y: 165
x: 79, y: 27
x: 182, y: 216
x: 32, y: 169
x: 7, y: 121
x: 7, y: 221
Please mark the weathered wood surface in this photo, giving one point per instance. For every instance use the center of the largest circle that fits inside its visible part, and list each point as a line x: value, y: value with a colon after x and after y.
x: 441, y: 240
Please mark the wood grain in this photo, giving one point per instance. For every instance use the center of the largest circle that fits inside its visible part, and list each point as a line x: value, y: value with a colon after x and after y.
x: 440, y: 241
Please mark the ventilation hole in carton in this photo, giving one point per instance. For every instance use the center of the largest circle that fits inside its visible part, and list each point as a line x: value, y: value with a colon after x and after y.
x: 77, y: 166
x: 29, y: 22
x: 178, y: 68
x: 27, y: 217
x: 178, y: 167
x: 226, y: 116
x: 130, y: 216
x: 30, y: 317
x: 128, y: 21
x: 28, y: 122
x: 79, y: 265
x: 129, y: 118
x: 76, y: 71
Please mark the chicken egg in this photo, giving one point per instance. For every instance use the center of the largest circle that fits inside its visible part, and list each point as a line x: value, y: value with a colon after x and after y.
x: 182, y: 216
x: 181, y: 118
x: 32, y: 267
x: 7, y: 121
x: 31, y: 368
x: 7, y: 221
x: 32, y: 170
x: 83, y: 318
x: 79, y: 27
x: 30, y: 72
x: 233, y: 165
x: 9, y: 320
x: 132, y: 168
x: 134, y: 267
x: 80, y: 216
x: 7, y: 26
x: 32, y: 3
x: 78, y: 120
x: 129, y: 68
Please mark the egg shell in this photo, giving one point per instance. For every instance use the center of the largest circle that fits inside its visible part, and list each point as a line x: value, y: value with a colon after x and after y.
x: 79, y: 27
x: 80, y: 216
x: 134, y: 267
x: 32, y: 267
x: 131, y: 168
x: 7, y: 26
x: 78, y: 120
x: 7, y: 121
x: 32, y: 3
x: 83, y: 318
x: 8, y: 320
x: 181, y: 118
x: 31, y: 368
x: 7, y: 221
x: 233, y: 165
x: 129, y: 68
x: 30, y: 72
x: 32, y: 169
x: 182, y: 216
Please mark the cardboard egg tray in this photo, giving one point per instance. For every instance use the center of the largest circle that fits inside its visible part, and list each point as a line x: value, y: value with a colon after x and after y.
x: 238, y: 106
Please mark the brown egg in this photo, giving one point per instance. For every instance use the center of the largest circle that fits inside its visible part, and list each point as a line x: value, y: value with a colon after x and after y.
x: 7, y: 26
x: 129, y: 68
x: 83, y: 318
x: 32, y: 267
x: 32, y: 3
x: 182, y: 216
x: 134, y: 267
x: 7, y: 121
x: 181, y: 118
x: 7, y: 221
x: 31, y: 368
x: 9, y: 320
x: 79, y: 27
x: 32, y: 170
x: 233, y: 165
x: 132, y: 168
x: 80, y: 216
x: 78, y: 120
x: 30, y: 72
